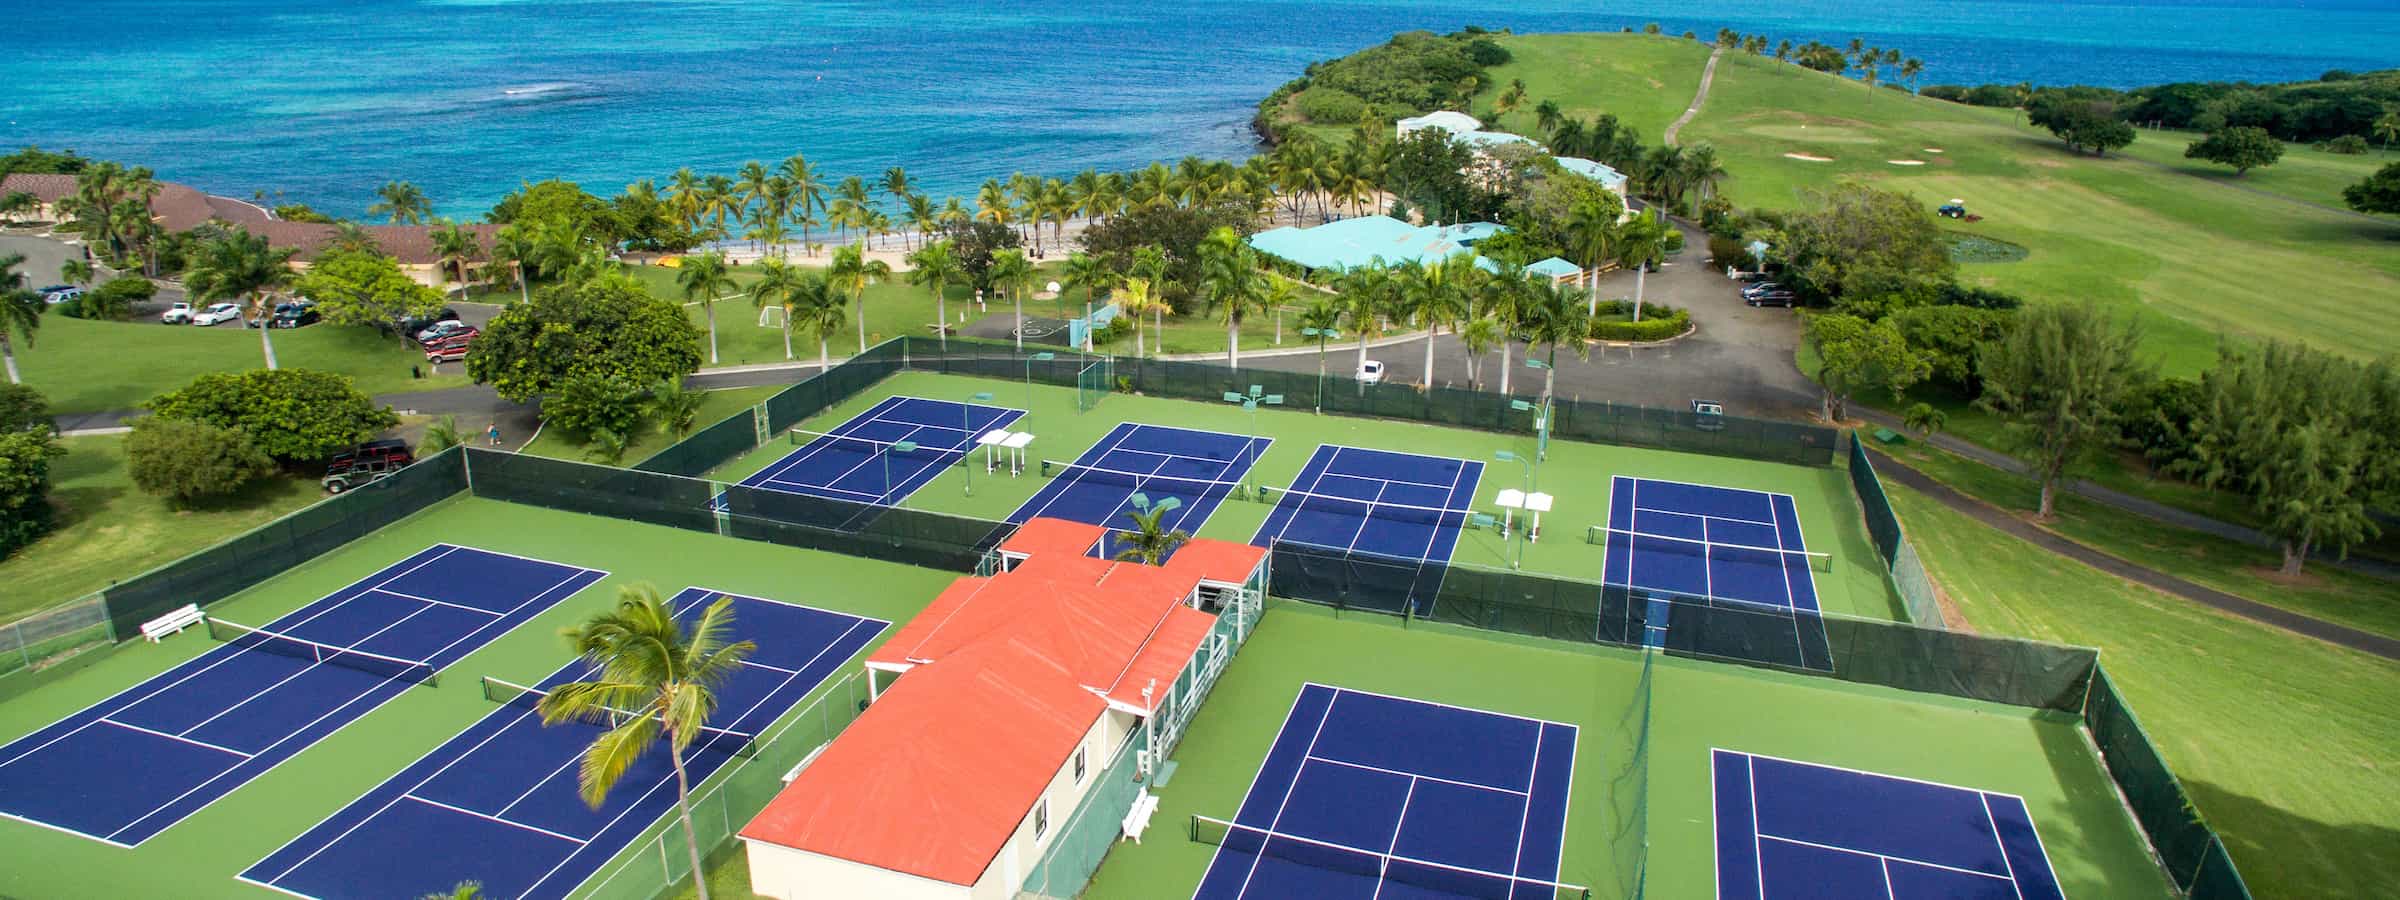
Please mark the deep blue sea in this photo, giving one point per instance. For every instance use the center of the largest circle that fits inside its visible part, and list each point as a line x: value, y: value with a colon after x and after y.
x: 320, y: 101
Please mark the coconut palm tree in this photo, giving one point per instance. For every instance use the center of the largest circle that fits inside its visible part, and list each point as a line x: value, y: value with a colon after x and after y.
x: 808, y: 192
x: 705, y: 279
x: 1230, y: 284
x: 686, y: 196
x: 402, y: 201
x: 1642, y: 243
x: 558, y: 247
x: 1091, y: 273
x: 924, y: 218
x: 1135, y: 298
x: 1149, y: 542
x: 1546, y: 115
x: 1910, y: 68
x: 1429, y: 295
x: 851, y: 271
x: 440, y: 434
x: 1591, y: 233
x: 2387, y: 127
x: 896, y: 183
x: 676, y: 406
x: 1324, y: 315
x: 750, y: 189
x: 512, y: 247
x: 1502, y: 301
x: 1700, y: 170
x: 1553, y: 318
x: 20, y: 312
x: 240, y: 266
x: 1365, y: 295
x: 779, y: 287
x: 454, y: 245
x: 934, y: 268
x: 850, y: 205
x: 464, y: 890
x: 1477, y: 337
x: 77, y: 272
x: 1012, y: 272
x: 818, y: 309
x: 657, y: 677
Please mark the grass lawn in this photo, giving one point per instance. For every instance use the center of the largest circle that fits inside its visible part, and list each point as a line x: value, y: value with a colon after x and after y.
x: 2283, y: 742
x: 108, y: 530
x: 2194, y: 253
x: 87, y: 366
x: 1644, y: 80
x: 2304, y: 173
x: 714, y: 407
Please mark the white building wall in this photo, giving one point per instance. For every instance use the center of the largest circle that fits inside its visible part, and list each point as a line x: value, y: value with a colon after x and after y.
x: 1022, y: 852
x: 788, y: 874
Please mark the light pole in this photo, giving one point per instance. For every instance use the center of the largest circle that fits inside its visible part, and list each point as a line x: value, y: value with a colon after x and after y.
x: 1516, y: 549
x: 1044, y: 356
x: 1141, y: 501
x: 897, y: 447
x: 1541, y: 423
x: 1528, y: 480
x: 1322, y: 335
x: 1250, y: 402
x: 966, y: 422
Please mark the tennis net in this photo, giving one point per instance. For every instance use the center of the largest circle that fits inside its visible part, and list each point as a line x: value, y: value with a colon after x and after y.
x: 719, y: 740
x: 248, y: 638
x: 1141, y: 481
x: 1366, y: 509
x: 1646, y: 542
x: 1442, y: 878
x: 935, y: 440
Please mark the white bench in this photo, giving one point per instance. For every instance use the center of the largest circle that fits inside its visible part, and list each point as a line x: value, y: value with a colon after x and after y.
x: 1137, y: 820
x: 183, y: 617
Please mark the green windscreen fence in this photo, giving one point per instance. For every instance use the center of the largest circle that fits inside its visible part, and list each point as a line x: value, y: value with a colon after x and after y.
x: 1883, y: 525
x: 266, y: 551
x: 1629, y: 790
x: 2189, y: 849
x: 708, y: 447
x: 1598, y: 421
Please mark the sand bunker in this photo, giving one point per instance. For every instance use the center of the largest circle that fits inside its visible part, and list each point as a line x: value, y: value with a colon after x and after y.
x: 1932, y: 149
x: 1808, y: 157
x: 1905, y: 162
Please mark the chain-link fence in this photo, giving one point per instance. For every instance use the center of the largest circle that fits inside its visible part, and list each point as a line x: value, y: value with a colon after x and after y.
x: 1597, y: 421
x: 2190, y: 850
x: 663, y: 859
x: 39, y: 640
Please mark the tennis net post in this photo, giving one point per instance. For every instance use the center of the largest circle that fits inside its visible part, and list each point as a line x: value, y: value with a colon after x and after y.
x: 248, y: 638
x: 1436, y: 876
x: 719, y: 740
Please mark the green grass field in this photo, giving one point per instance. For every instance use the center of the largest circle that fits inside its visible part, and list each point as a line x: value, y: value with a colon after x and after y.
x: 2193, y: 251
x: 1644, y: 80
x: 2092, y: 842
x: 199, y: 857
x: 2283, y: 742
x: 1829, y: 517
x: 87, y: 366
x: 108, y: 530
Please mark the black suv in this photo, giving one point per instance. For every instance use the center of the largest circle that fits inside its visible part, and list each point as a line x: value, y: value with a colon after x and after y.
x: 295, y: 314
x: 365, y: 464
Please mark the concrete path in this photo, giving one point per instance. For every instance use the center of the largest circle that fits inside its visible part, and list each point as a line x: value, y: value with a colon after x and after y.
x: 2297, y: 623
x: 1699, y: 97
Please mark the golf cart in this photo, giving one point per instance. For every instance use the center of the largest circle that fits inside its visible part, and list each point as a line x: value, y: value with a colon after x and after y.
x: 1956, y: 209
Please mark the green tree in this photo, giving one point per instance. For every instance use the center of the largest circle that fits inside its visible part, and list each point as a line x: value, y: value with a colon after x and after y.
x: 454, y: 246
x: 25, y: 512
x: 20, y: 312
x: 934, y: 268
x: 187, y: 461
x: 1854, y: 354
x: 1149, y: 542
x: 464, y: 890
x: 402, y: 201
x: 2242, y: 147
x: 2061, y: 378
x: 1591, y: 233
x: 2387, y: 127
x: 1367, y: 295
x: 240, y: 266
x: 606, y: 446
x: 1435, y: 293
x: 1852, y: 243
x: 676, y: 406
x: 1924, y: 419
x: 2082, y: 123
x: 705, y: 279
x: 817, y: 309
x: 440, y: 434
x: 605, y: 327
x: 23, y: 409
x: 777, y: 286
x: 1325, y: 316
x: 851, y: 271
x: 1013, y: 273
x: 76, y: 272
x: 2304, y: 434
x: 1091, y: 273
x: 1553, y: 317
x: 2377, y: 193
x: 1231, y: 284
x: 291, y: 414
x: 1641, y: 245
x: 513, y: 247
x: 115, y: 298
x: 354, y: 287
x: 1477, y: 337
x: 657, y: 678
x: 589, y: 404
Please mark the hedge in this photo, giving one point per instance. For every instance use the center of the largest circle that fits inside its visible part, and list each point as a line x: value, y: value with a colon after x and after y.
x: 1658, y: 322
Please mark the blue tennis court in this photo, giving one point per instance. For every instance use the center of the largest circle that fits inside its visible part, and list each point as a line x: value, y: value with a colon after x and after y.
x: 142, y: 760
x: 1366, y: 795
x: 1793, y: 830
x: 1733, y: 558
x: 1406, y: 507
x: 498, y: 803
x: 1198, y: 469
x: 856, y: 460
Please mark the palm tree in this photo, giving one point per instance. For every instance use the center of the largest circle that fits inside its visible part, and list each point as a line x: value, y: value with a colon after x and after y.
x: 934, y: 268
x: 1149, y: 542
x: 1553, y: 318
x: 807, y: 191
x: 402, y: 201
x: 606, y: 446
x: 1231, y: 284
x: 817, y: 308
x: 1135, y: 298
x: 512, y: 247
x: 1592, y: 238
x: 850, y: 203
x: 464, y: 890
x: 20, y: 312
x: 750, y: 186
x: 1365, y: 296
x: 720, y: 201
x: 1642, y: 243
x: 1910, y: 69
x: 779, y: 287
x: 241, y: 266
x: 2387, y: 127
x: 676, y: 406
x: 558, y: 246
x: 705, y: 279
x: 1502, y: 302
x: 923, y: 217
x: 1150, y: 265
x: 453, y: 247
x: 687, y: 197
x: 657, y: 677
x: 77, y: 272
x: 1700, y: 170
x: 1429, y: 294
x: 1546, y: 115
x: 1477, y: 338
x: 440, y: 434
x: 1013, y: 273
x: 851, y: 272
x: 1091, y: 273
x: 1324, y: 315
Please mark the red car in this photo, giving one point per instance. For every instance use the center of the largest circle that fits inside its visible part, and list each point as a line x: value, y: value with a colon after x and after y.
x: 450, y: 348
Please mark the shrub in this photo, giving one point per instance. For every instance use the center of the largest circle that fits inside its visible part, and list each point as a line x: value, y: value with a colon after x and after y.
x: 2346, y: 145
x: 187, y: 461
x: 291, y: 414
x: 1331, y: 106
x: 588, y: 405
x: 1658, y: 322
x: 2158, y: 419
x: 113, y: 299
x: 23, y: 409
x: 25, y: 486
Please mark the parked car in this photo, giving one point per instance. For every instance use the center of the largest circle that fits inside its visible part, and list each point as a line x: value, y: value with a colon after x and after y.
x: 60, y: 293
x: 389, y: 449
x: 1761, y: 288
x: 1771, y: 298
x: 177, y: 314
x: 217, y: 313
x: 296, y: 314
x: 1371, y: 371
x: 411, y: 325
x: 360, y: 473
x: 442, y: 329
x: 450, y: 348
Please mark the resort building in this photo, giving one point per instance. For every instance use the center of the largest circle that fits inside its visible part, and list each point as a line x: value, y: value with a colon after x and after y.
x: 1600, y: 172
x: 1466, y: 129
x: 1383, y: 241
x: 1020, y: 711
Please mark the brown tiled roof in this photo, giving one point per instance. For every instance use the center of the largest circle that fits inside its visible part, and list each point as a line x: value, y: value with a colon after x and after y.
x: 179, y: 207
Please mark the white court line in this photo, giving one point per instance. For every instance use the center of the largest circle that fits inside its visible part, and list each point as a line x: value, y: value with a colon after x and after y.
x: 1465, y: 784
x: 1361, y: 530
x: 175, y: 737
x: 1516, y: 863
x: 1288, y: 789
x: 1871, y: 855
x: 473, y: 609
x: 817, y: 444
x: 1123, y: 431
x: 779, y: 484
x: 1310, y: 489
x: 509, y: 822
x: 2000, y: 842
x: 1686, y: 512
x: 1392, y: 849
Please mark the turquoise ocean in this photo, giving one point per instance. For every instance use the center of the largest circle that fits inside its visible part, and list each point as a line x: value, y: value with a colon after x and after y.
x: 319, y: 102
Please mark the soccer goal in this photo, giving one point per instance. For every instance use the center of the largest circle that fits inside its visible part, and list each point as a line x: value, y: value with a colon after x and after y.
x: 770, y: 317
